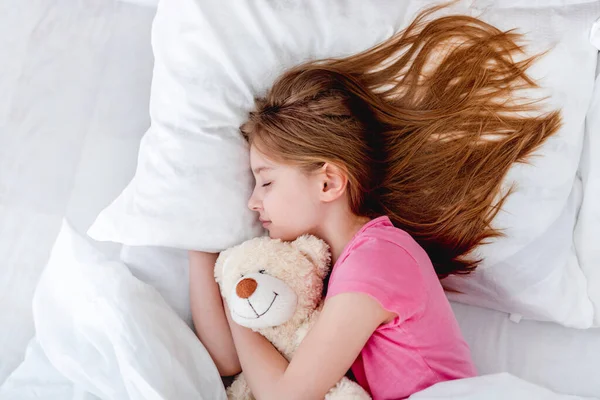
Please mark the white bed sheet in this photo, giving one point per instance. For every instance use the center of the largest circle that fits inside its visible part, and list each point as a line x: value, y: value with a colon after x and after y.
x: 562, y: 359
x: 74, y: 89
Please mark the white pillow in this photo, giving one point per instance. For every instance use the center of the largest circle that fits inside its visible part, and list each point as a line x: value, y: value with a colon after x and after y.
x: 587, y: 231
x: 534, y: 271
x: 193, y: 180
x: 113, y: 335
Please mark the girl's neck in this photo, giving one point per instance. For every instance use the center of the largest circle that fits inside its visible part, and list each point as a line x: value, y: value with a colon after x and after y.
x: 339, y: 229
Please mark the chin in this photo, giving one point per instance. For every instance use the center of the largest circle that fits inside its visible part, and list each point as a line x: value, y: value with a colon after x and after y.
x: 286, y: 237
x: 274, y: 235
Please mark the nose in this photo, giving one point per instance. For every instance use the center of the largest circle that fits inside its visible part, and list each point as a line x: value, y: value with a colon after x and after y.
x: 245, y: 288
x: 254, y: 202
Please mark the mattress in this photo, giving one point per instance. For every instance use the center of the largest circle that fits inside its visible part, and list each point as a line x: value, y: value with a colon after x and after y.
x: 74, y: 90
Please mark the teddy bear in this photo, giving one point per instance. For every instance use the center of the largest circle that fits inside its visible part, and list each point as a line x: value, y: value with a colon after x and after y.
x: 275, y: 288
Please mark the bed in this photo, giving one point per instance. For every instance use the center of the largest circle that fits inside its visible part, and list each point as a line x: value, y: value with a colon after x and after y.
x: 74, y: 92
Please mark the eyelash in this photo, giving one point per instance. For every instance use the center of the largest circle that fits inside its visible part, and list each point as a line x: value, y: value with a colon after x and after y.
x: 266, y: 184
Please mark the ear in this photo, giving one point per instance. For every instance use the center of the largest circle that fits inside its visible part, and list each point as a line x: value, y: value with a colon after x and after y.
x: 333, y: 181
x: 221, y: 264
x: 316, y: 250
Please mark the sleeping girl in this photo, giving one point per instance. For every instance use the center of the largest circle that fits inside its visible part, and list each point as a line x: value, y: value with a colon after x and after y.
x: 395, y: 157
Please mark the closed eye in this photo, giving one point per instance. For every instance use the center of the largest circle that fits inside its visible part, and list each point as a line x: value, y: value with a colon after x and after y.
x: 266, y: 184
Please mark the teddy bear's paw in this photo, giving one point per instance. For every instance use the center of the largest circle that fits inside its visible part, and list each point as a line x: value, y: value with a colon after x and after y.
x: 346, y: 389
x: 239, y: 389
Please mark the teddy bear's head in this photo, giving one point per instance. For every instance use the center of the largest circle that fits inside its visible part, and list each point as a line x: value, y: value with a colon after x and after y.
x: 268, y: 282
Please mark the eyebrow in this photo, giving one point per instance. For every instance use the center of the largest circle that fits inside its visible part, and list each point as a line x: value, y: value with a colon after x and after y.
x: 260, y: 169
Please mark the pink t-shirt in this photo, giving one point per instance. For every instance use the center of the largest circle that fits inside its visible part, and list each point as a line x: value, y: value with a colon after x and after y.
x: 423, y: 345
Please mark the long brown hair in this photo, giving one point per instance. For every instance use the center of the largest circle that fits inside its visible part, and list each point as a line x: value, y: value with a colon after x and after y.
x: 426, y: 126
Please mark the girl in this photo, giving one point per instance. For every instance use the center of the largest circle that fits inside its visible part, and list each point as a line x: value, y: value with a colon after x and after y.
x: 394, y: 157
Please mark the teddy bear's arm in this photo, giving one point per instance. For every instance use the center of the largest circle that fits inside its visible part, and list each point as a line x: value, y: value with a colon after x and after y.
x: 303, y: 329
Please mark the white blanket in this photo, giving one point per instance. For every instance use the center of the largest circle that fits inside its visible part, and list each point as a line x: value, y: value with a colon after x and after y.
x: 37, y: 379
x: 102, y: 332
x: 114, y: 335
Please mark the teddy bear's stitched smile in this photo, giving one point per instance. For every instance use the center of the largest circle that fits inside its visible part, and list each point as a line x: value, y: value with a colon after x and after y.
x: 257, y: 315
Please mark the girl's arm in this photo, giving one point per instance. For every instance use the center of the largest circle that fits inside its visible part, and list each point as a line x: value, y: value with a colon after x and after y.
x: 209, y: 315
x: 324, y: 356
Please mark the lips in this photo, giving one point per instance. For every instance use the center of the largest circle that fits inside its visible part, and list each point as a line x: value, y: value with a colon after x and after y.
x: 265, y: 223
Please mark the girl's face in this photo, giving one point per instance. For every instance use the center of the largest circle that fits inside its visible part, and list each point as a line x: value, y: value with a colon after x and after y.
x: 286, y: 198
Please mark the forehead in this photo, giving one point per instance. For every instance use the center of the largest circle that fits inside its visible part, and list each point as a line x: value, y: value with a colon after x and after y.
x: 260, y: 161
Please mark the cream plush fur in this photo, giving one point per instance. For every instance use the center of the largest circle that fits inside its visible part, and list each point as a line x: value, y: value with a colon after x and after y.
x: 276, y: 288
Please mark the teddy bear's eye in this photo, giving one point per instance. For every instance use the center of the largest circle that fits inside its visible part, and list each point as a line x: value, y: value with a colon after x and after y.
x: 261, y: 271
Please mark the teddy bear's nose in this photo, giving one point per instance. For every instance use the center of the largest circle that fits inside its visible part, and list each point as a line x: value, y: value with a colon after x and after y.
x: 245, y: 288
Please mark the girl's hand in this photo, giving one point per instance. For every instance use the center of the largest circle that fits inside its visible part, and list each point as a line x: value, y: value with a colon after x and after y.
x: 344, y: 326
x: 208, y: 314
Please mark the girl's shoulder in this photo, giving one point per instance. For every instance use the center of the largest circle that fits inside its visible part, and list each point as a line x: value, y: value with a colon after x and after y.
x: 388, y: 264
x: 380, y: 240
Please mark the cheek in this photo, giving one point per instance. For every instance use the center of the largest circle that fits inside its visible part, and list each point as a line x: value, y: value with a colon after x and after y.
x: 292, y: 205
x: 293, y: 197
x: 279, y: 201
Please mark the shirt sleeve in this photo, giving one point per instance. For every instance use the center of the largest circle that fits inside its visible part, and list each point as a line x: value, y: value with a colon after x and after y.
x: 386, y: 272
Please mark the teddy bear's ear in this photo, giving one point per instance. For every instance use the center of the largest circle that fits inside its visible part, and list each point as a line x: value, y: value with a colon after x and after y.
x: 221, y: 264
x: 315, y: 250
